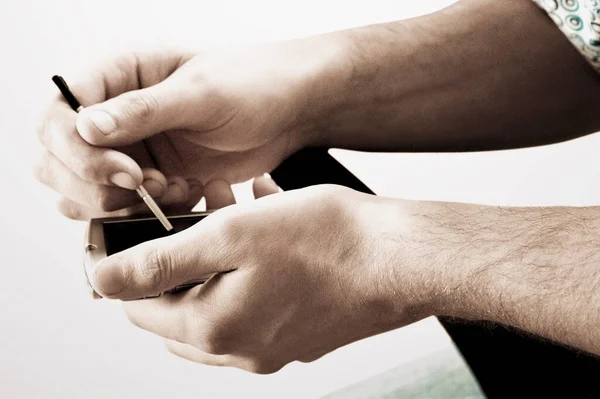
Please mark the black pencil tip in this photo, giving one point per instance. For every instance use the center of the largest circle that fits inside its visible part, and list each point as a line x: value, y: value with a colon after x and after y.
x: 58, y: 80
x: 66, y: 92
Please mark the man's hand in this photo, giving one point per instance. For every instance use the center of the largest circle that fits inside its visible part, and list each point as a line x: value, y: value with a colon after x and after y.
x: 298, y: 274
x: 295, y: 275
x: 174, y: 120
x: 392, y: 87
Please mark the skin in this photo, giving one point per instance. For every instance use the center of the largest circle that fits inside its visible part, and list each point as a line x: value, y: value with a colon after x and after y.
x: 194, y: 123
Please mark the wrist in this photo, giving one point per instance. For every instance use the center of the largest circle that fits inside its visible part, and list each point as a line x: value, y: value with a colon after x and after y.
x: 462, y: 247
x: 430, y: 257
x: 318, y: 76
x: 408, y: 283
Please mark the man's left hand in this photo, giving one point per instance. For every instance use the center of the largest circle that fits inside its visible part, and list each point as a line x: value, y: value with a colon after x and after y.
x: 295, y: 275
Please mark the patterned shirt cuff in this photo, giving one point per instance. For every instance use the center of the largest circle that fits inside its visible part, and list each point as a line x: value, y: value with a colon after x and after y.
x: 579, y: 20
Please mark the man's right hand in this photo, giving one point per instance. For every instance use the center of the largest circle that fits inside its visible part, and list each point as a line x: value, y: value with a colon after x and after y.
x: 175, y: 120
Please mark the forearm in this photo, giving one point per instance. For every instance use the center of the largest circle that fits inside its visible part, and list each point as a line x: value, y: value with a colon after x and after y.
x: 478, y: 75
x: 536, y: 269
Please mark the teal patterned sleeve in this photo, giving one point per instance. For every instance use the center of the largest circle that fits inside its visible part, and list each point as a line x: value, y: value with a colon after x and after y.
x: 579, y: 20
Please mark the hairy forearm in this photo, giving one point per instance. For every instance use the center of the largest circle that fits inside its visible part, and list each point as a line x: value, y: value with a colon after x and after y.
x: 536, y: 269
x: 479, y: 75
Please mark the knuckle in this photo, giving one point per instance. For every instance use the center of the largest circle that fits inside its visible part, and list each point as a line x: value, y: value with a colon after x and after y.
x: 233, y: 228
x: 155, y: 270
x: 334, y: 199
x: 104, y: 201
x: 215, y: 342
x: 330, y: 190
x: 41, y: 168
x: 87, y: 171
x: 200, y: 78
x: 40, y: 132
x: 141, y: 108
x: 183, y: 330
x: 41, y: 128
x: 212, y: 89
x: 70, y: 210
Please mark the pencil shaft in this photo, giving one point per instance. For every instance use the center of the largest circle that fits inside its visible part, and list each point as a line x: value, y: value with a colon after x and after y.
x: 154, y: 208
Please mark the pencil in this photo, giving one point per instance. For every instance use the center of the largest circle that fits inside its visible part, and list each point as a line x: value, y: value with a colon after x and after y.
x: 141, y: 191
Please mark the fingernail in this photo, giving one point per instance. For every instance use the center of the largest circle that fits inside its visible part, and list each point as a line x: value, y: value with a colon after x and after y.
x: 123, y: 180
x: 102, y: 120
x: 110, y: 278
x: 154, y: 187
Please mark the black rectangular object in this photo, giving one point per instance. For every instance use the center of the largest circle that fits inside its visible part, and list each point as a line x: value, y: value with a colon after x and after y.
x: 119, y: 236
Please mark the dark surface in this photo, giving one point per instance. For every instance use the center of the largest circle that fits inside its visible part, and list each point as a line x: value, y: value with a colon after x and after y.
x: 126, y: 234
x: 312, y: 167
x: 507, y: 363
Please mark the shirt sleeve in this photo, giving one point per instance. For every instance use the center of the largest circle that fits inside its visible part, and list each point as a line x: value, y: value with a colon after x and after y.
x: 579, y: 20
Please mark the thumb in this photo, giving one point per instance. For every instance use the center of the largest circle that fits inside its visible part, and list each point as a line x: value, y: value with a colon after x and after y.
x: 153, y: 267
x: 136, y: 115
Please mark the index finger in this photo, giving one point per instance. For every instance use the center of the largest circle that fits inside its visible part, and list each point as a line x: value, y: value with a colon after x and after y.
x: 118, y: 75
x: 93, y: 164
x: 125, y: 72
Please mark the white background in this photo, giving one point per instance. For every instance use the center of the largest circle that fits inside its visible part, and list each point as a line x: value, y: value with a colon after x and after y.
x: 55, y: 342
